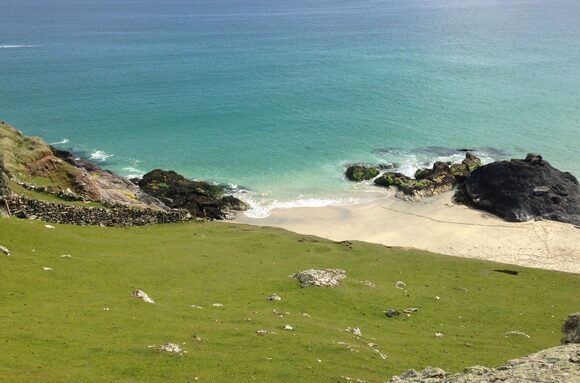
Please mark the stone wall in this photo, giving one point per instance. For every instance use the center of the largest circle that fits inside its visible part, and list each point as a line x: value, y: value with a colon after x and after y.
x: 23, y: 207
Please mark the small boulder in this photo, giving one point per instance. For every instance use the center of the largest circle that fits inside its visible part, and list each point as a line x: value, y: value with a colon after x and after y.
x: 355, y: 330
x: 171, y: 347
x: 471, y: 161
x: 392, y: 313
x: 571, y: 329
x: 5, y: 251
x: 360, y: 173
x: 320, y: 278
x: 288, y: 328
x: 274, y: 297
x: 400, y: 285
x: 139, y: 294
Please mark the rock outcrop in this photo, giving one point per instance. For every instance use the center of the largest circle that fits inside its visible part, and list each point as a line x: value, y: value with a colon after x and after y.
x: 24, y: 159
x: 320, y: 278
x: 95, y: 184
x: 522, y: 190
x: 201, y: 199
x: 442, y: 177
x: 555, y: 365
x: 360, y: 173
x: 571, y: 329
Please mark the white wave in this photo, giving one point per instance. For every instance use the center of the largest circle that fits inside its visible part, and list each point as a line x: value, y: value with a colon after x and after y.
x: 262, y: 209
x: 61, y: 142
x: 133, y: 172
x: 16, y: 46
x: 100, y: 156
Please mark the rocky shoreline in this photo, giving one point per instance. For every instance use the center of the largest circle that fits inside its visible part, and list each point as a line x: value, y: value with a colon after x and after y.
x: 159, y: 197
x: 515, y: 190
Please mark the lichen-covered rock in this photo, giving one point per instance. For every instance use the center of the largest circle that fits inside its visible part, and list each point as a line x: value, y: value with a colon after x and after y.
x: 571, y: 329
x: 320, y: 278
x: 555, y: 365
x: 471, y: 161
x: 522, y: 190
x: 360, y: 173
x: 201, y: 199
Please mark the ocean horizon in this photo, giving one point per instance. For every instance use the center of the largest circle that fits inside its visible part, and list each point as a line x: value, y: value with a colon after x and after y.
x: 275, y: 99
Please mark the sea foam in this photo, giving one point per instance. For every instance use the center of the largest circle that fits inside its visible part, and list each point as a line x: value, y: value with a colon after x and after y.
x: 100, y: 156
x: 61, y: 142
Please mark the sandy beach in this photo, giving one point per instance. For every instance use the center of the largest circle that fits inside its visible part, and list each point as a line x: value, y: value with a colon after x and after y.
x: 438, y: 225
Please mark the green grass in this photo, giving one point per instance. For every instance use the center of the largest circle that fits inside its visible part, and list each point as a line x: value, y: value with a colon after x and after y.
x: 47, y: 197
x: 53, y: 327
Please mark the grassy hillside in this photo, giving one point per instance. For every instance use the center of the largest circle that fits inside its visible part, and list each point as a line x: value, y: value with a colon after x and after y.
x: 54, y: 326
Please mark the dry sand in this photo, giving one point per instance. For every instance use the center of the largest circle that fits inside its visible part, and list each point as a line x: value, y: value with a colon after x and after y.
x: 437, y: 225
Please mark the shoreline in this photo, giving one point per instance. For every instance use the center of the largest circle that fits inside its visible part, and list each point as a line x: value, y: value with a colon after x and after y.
x: 437, y: 225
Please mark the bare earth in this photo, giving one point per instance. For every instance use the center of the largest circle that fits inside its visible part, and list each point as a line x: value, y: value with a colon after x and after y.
x: 437, y: 225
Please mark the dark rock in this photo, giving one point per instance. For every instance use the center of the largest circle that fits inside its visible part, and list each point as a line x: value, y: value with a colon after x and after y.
x: 465, y: 150
x: 507, y: 271
x: 387, y: 166
x: 360, y: 173
x: 392, y: 313
x: 522, y: 190
x: 571, y: 329
x: 201, y: 199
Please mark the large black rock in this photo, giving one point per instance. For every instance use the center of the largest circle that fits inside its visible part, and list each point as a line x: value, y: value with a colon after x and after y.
x: 521, y: 190
x: 201, y: 199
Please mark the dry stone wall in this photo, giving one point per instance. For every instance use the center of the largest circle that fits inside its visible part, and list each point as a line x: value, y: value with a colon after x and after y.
x: 23, y: 207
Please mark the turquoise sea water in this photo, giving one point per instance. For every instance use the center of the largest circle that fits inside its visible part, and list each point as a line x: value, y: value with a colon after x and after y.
x: 277, y: 96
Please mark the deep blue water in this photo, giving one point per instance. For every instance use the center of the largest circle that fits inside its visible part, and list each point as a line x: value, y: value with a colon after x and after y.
x: 277, y: 96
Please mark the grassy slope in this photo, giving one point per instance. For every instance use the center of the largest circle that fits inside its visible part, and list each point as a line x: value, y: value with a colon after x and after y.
x: 54, y: 329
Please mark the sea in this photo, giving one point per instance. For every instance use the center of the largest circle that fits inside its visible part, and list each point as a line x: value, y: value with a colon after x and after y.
x: 274, y: 98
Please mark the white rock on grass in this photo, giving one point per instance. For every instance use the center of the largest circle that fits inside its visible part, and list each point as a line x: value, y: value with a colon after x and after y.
x: 400, y: 285
x: 355, y: 330
x: 171, y: 347
x: 49, y: 226
x: 288, y: 328
x: 274, y: 297
x: 321, y: 278
x: 218, y: 305
x: 4, y: 249
x: 47, y: 268
x: 516, y: 333
x: 66, y: 256
x: 438, y: 335
x: 139, y: 294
